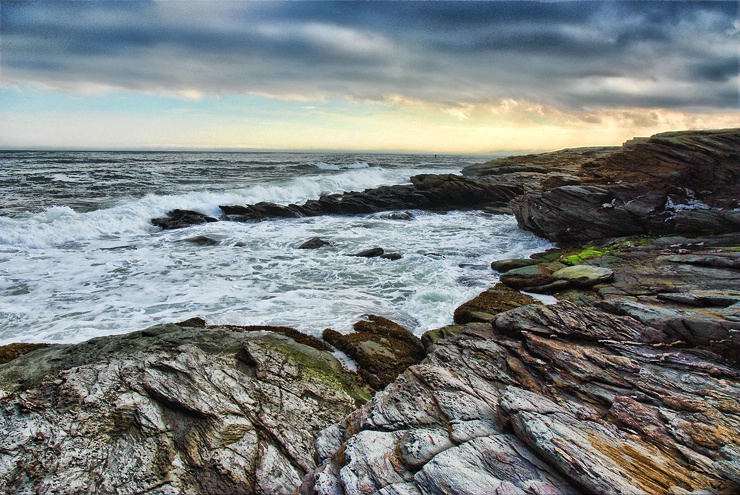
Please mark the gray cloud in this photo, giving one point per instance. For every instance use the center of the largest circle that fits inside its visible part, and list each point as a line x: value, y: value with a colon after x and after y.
x: 569, y: 54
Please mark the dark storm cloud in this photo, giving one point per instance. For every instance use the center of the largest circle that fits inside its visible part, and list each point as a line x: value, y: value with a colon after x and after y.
x: 574, y: 54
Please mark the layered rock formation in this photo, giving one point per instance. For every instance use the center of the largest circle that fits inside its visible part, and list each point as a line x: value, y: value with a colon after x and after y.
x: 172, y: 409
x: 633, y: 390
x: 671, y: 182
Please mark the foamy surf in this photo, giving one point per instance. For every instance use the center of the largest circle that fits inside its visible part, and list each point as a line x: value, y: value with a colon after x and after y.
x: 69, y: 273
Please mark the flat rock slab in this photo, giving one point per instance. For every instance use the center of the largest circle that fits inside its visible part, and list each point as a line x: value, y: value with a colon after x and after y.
x: 584, y: 275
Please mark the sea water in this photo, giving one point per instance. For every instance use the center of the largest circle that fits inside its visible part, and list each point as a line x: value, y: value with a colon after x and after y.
x: 79, y: 257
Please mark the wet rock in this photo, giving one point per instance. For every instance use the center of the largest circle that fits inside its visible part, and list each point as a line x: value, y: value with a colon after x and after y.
x: 11, y: 351
x: 430, y: 192
x: 398, y: 215
x: 370, y: 253
x: 531, y: 276
x: 430, y: 337
x: 381, y: 348
x: 169, y: 410
x: 491, y: 302
x: 314, y: 243
x: 391, y: 256
x: 503, y: 266
x: 584, y: 275
x: 177, y: 219
x: 202, y: 240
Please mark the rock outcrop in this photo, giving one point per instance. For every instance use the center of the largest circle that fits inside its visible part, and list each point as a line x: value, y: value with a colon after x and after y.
x: 171, y: 409
x: 630, y: 389
x: 427, y: 192
x: 381, y: 348
x: 670, y: 183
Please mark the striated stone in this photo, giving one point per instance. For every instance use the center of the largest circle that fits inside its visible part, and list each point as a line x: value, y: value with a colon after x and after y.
x: 634, y: 190
x: 563, y: 398
x: 169, y: 410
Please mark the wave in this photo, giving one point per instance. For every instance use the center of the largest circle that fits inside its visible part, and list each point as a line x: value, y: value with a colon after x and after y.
x: 59, y: 225
x: 345, y: 166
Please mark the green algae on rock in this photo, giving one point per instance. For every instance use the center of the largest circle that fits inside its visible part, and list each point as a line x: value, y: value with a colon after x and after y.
x: 381, y: 348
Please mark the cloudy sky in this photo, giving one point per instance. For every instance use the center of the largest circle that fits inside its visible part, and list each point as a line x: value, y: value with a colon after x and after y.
x: 418, y: 76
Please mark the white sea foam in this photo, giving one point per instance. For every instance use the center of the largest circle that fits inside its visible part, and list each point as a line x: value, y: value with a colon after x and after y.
x: 58, y: 225
x: 114, y: 284
x: 344, y: 166
x: 94, y: 265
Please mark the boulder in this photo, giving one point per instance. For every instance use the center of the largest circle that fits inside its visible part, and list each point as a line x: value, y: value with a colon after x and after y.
x: 370, y: 253
x: 381, y: 348
x: 171, y: 409
x: 314, y: 243
x: 531, y: 276
x: 491, y: 302
x: 503, y: 266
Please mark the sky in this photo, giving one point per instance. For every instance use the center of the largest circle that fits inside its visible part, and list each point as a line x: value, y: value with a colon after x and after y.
x: 447, y: 77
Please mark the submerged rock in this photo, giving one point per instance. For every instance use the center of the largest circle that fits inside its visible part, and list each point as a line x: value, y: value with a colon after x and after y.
x: 381, y: 348
x: 202, y: 240
x: 171, y: 409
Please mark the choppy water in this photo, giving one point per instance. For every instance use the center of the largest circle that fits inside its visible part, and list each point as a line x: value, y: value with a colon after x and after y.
x: 79, y: 258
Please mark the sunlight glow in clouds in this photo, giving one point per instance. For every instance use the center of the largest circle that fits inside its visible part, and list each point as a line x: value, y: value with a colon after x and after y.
x: 417, y: 76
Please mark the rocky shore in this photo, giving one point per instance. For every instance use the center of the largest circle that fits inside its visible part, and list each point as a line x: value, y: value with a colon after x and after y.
x: 629, y: 384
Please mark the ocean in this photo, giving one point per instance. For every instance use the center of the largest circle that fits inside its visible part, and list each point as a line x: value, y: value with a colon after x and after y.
x: 79, y: 257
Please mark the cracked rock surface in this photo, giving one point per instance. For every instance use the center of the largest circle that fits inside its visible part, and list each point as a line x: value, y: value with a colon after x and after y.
x: 629, y: 388
x: 168, y: 410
